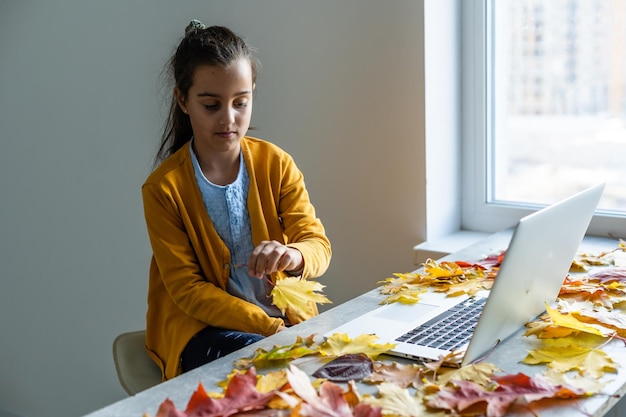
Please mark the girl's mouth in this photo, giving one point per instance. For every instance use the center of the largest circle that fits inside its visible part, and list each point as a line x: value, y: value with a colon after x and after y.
x: 226, y: 135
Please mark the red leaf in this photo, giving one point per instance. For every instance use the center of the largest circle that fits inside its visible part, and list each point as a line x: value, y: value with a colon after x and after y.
x: 488, y: 262
x: 366, y: 410
x: 610, y: 275
x: 511, y: 388
x: 167, y: 409
x: 197, y: 398
x: 328, y: 401
x: 241, y: 395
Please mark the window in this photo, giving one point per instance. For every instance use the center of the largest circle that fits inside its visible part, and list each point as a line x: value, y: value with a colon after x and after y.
x: 544, y: 108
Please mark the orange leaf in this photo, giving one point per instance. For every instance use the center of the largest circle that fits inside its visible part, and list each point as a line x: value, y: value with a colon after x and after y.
x: 197, y: 398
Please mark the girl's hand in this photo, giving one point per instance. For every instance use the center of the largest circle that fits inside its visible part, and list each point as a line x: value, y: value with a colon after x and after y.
x: 272, y: 256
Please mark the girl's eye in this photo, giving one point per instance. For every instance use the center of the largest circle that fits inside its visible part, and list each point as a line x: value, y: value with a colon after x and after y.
x: 241, y: 104
x: 211, y: 106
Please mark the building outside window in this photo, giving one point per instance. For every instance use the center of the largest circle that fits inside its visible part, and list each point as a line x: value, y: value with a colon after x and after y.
x: 553, y: 119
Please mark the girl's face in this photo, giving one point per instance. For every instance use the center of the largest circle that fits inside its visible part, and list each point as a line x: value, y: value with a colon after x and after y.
x: 219, y: 105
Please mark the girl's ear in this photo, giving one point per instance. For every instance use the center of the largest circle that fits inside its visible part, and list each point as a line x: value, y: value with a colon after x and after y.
x: 180, y: 99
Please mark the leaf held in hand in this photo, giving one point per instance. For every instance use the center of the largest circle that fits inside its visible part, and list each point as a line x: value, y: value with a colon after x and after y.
x: 297, y: 293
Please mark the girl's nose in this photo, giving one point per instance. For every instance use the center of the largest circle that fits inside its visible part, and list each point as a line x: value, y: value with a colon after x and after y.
x: 227, y: 116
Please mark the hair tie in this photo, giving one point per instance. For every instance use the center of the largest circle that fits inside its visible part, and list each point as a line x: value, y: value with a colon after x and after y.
x: 194, y: 26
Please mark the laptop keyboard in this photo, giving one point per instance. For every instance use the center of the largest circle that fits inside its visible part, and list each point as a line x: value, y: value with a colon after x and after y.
x: 449, y: 330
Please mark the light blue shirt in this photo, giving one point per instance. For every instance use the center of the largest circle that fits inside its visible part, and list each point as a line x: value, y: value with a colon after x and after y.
x: 228, y: 209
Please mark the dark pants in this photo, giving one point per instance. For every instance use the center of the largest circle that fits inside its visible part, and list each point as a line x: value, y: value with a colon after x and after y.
x: 211, y: 343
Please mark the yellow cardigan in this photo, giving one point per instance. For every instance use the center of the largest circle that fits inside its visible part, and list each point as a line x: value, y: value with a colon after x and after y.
x: 190, y: 267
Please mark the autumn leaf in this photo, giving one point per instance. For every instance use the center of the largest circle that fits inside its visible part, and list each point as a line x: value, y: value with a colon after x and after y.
x: 280, y: 354
x: 455, y: 357
x: 470, y: 287
x: 605, y: 258
x: 545, y: 330
x: 241, y: 395
x: 330, y: 401
x: 297, y: 293
x: 224, y: 384
x: 402, y: 375
x: 608, y: 319
x: 537, y: 387
x: 479, y: 373
x: 576, y: 338
x: 397, y: 401
x: 492, y: 261
x: 602, y: 289
x: 168, y: 409
x: 271, y: 381
x: 442, y: 269
x: 341, y: 344
x: 393, y: 284
x: 612, y: 320
x: 353, y: 366
x: 585, y: 360
x: 495, y: 402
x: 453, y: 278
x: 405, y: 294
x: 609, y: 275
x: 585, y: 259
x: 590, y: 385
x: 569, y: 321
x: 198, y: 398
x: 578, y: 266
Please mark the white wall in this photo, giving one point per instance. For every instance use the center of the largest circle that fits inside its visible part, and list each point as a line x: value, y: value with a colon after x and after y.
x: 341, y: 89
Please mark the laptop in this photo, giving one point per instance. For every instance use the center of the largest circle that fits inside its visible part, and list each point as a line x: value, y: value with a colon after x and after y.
x: 540, y: 253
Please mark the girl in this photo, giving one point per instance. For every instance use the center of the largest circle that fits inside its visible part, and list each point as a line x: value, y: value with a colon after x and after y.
x: 226, y: 213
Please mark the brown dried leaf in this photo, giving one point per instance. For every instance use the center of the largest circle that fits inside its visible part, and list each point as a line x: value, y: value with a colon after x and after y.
x: 350, y: 367
x: 403, y: 375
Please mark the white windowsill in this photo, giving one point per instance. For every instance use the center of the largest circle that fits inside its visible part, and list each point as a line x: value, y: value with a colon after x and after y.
x: 445, y: 245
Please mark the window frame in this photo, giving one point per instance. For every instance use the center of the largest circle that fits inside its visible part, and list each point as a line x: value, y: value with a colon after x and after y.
x: 479, y: 211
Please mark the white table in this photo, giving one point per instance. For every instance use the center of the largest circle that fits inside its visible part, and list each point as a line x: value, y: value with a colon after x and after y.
x: 506, y: 356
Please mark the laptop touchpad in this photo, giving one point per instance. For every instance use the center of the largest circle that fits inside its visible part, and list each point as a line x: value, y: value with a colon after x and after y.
x: 406, y: 312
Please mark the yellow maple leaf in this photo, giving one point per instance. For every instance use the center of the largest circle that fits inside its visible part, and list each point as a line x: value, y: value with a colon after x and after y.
x: 569, y: 321
x: 271, y: 381
x: 297, y: 293
x: 341, y: 344
x: 610, y: 319
x: 470, y: 287
x: 544, y: 329
x: 397, y: 401
x: 406, y: 294
x: 263, y: 358
x: 442, y: 269
x: 586, y: 361
x: 587, y: 383
x: 479, y: 373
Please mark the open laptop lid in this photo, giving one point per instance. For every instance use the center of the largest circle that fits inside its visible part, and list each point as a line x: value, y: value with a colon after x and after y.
x: 535, y: 265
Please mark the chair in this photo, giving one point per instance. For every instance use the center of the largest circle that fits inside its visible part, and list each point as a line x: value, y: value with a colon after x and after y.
x: 135, y: 369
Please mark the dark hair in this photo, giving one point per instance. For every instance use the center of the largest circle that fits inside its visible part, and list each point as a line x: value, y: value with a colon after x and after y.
x: 214, y: 45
